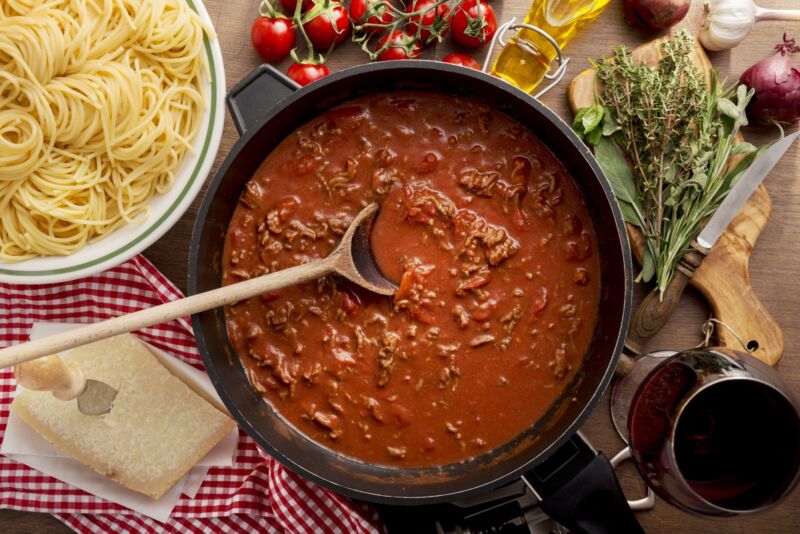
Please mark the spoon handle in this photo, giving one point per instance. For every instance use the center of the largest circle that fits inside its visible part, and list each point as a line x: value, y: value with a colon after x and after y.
x: 165, y: 312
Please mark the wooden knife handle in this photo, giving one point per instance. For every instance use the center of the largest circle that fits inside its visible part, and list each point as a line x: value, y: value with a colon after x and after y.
x: 65, y: 380
x: 655, y: 310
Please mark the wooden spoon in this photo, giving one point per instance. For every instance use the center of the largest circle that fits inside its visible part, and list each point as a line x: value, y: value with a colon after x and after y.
x: 352, y: 260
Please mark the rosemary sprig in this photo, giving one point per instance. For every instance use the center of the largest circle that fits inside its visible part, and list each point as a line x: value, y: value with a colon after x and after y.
x: 664, y: 137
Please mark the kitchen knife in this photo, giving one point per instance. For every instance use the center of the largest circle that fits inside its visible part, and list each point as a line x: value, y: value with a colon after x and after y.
x: 66, y: 381
x: 655, y: 309
x: 741, y: 191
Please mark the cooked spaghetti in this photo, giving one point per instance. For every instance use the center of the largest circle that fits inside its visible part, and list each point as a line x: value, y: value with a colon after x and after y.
x: 99, y: 102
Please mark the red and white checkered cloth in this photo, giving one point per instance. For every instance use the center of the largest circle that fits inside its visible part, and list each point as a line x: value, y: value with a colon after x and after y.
x: 257, y: 494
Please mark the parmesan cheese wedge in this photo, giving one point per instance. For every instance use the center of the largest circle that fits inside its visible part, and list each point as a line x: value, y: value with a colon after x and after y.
x: 157, y: 429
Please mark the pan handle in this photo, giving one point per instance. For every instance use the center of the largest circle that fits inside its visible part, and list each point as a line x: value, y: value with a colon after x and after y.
x: 577, y: 487
x: 256, y: 94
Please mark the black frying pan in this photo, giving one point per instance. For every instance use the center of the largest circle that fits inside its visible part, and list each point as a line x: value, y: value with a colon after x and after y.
x: 555, y: 462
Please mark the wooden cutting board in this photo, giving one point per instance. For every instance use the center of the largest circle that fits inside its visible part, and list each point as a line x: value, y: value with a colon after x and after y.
x: 723, y: 278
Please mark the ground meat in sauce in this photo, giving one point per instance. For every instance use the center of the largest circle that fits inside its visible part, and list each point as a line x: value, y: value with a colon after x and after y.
x: 496, y: 260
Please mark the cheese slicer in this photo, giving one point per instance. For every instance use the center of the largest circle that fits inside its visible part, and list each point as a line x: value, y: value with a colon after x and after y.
x: 66, y: 381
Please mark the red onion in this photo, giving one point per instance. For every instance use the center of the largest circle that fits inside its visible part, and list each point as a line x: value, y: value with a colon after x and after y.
x: 777, y: 87
x: 655, y: 14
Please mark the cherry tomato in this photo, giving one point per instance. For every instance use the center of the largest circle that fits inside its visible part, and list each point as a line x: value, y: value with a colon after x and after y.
x: 462, y: 59
x: 402, y: 45
x: 273, y: 38
x: 437, y: 18
x: 289, y: 6
x: 473, y: 23
x: 358, y: 10
x: 321, y: 31
x: 305, y: 73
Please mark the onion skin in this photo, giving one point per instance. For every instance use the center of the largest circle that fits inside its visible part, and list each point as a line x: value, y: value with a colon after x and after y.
x: 655, y: 14
x: 777, y: 87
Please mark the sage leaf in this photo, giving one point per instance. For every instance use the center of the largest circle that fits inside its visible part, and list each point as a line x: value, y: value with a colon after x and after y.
x: 727, y: 126
x: 629, y: 214
x: 648, y: 267
x: 732, y: 176
x: 674, y: 196
x: 698, y: 181
x: 670, y: 174
x: 619, y: 175
x: 728, y: 108
x: 743, y: 96
x: 743, y: 148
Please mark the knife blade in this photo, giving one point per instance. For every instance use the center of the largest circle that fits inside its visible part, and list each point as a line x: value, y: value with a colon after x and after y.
x: 742, y: 190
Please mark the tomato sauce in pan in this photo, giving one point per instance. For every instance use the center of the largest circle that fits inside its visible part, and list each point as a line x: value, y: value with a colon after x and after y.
x: 496, y: 260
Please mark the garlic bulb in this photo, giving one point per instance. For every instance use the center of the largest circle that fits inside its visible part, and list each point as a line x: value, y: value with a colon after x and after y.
x: 728, y: 22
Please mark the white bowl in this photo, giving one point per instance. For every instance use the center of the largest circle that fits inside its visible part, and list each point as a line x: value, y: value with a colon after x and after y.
x: 165, y: 210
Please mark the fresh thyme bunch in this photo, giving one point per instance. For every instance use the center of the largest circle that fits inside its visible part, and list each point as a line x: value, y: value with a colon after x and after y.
x: 663, y: 138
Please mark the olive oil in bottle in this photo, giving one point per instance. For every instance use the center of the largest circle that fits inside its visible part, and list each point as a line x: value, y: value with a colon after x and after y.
x: 526, y: 58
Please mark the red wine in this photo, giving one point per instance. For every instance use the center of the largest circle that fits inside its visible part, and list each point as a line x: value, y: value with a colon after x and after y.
x: 655, y: 403
x: 715, y: 432
x: 736, y: 444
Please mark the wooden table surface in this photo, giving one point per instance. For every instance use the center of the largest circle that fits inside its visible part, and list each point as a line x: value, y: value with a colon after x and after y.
x: 774, y: 271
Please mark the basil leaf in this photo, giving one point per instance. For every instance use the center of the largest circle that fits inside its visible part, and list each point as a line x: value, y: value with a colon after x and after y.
x: 594, y: 136
x: 591, y: 119
x: 610, y: 125
x: 577, y: 122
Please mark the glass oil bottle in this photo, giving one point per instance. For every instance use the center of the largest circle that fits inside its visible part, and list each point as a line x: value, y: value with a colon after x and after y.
x: 526, y: 58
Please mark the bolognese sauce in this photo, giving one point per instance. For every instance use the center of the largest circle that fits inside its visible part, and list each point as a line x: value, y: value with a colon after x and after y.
x: 495, y: 257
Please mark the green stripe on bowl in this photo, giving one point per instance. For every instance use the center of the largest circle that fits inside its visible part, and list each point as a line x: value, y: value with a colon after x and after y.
x: 168, y: 212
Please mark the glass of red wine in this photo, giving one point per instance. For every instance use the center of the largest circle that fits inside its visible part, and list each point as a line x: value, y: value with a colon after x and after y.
x: 713, y: 431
